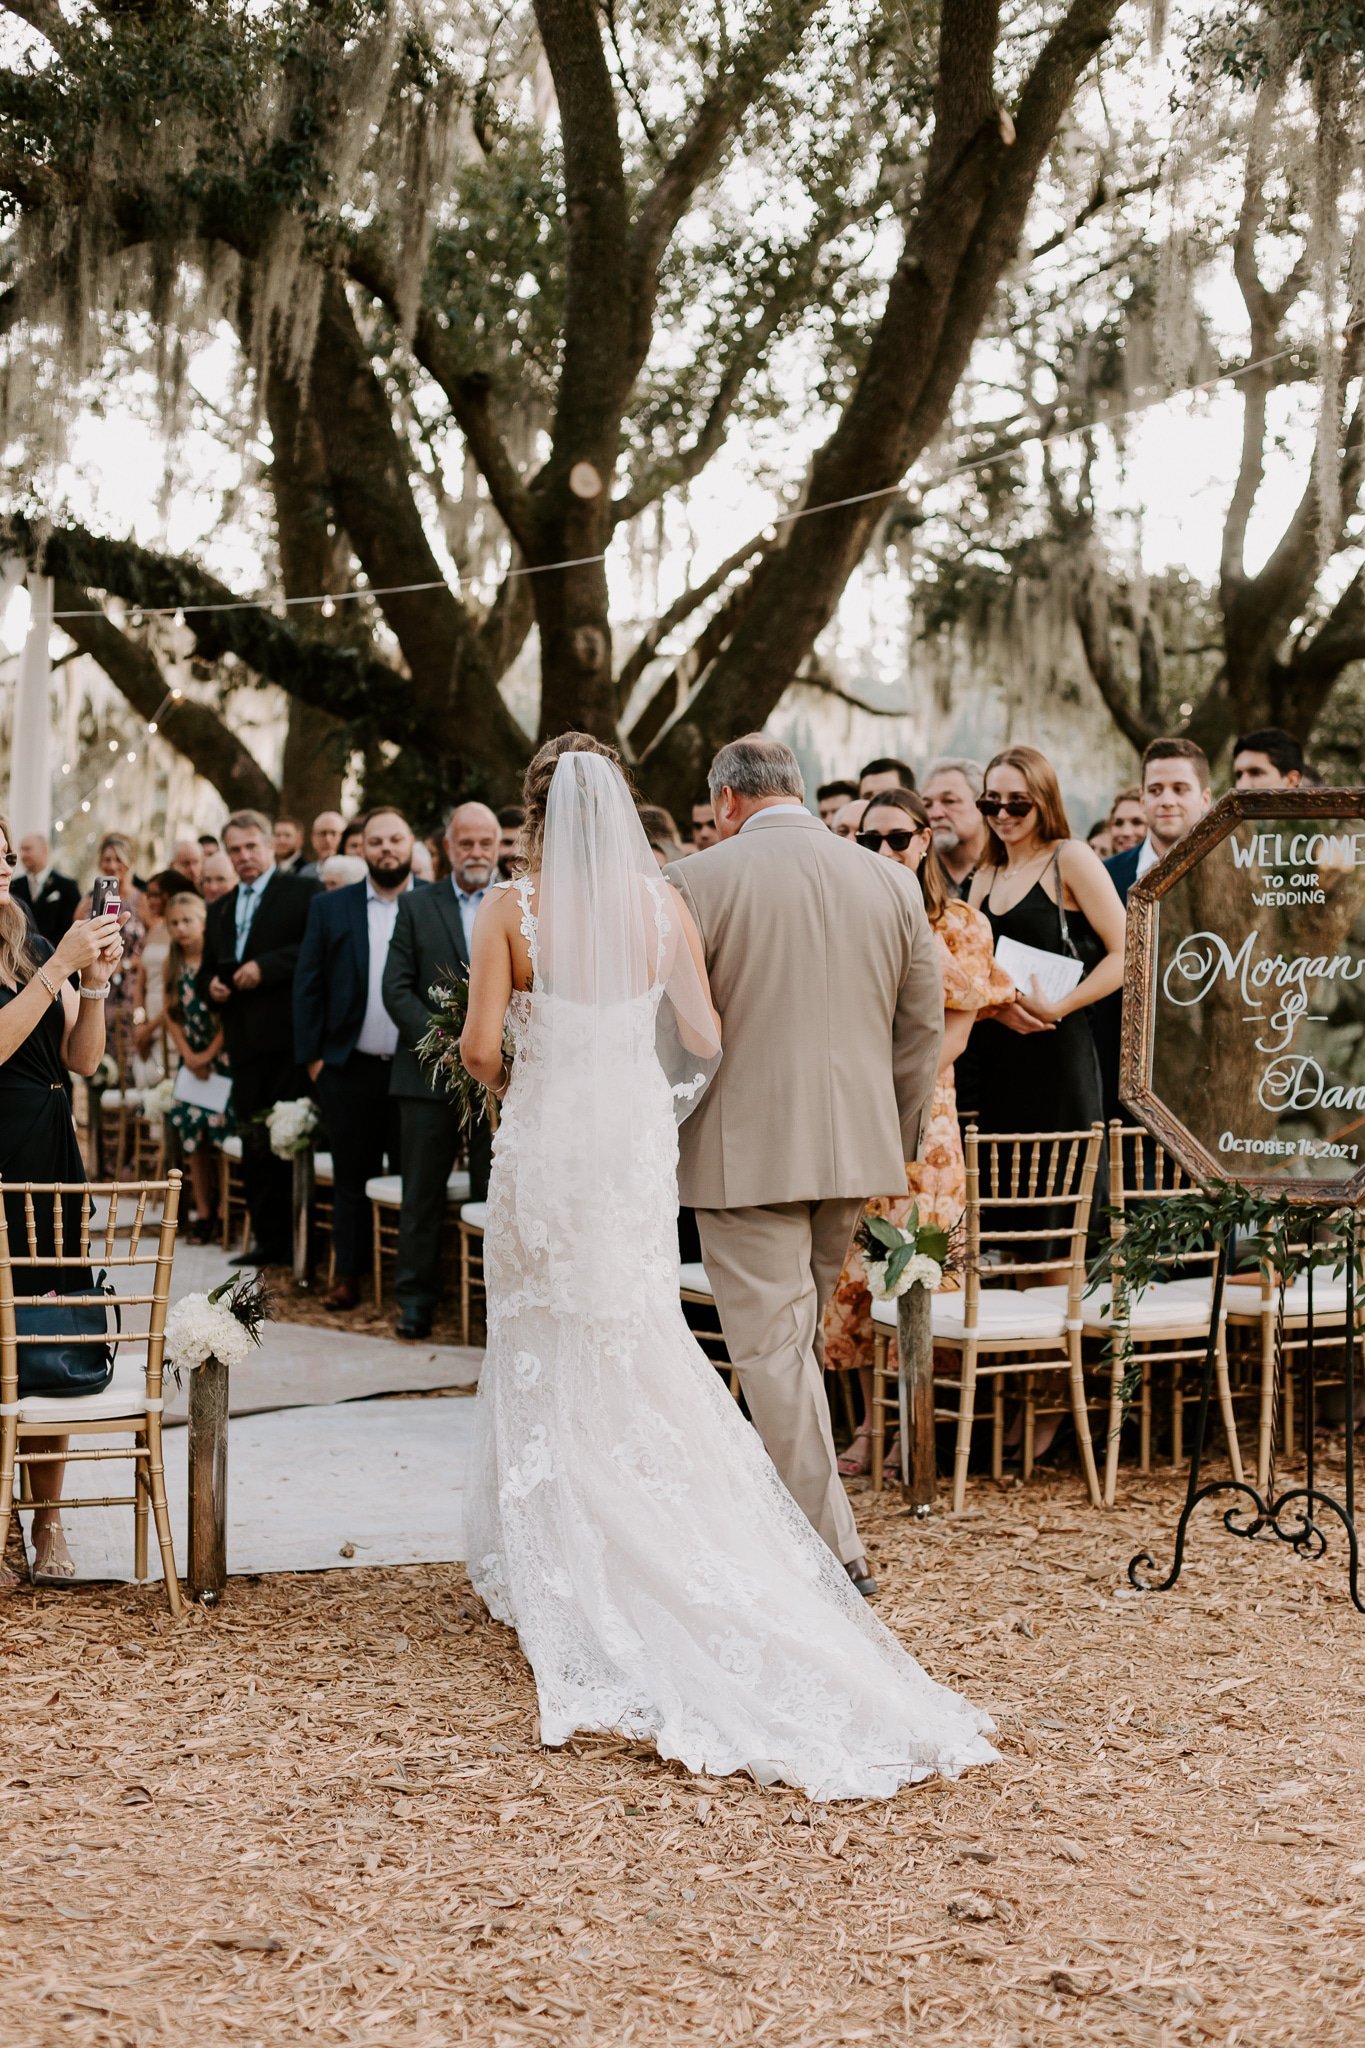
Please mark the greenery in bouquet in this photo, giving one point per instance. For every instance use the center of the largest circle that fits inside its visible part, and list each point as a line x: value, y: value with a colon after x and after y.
x: 439, y: 1050
x: 899, y: 1256
x: 1258, y: 1228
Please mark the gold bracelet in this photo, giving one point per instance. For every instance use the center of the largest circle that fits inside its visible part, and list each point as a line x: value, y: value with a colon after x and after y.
x: 55, y: 993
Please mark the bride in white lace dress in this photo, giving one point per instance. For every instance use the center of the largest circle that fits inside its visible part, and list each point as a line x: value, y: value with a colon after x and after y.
x: 623, y: 1516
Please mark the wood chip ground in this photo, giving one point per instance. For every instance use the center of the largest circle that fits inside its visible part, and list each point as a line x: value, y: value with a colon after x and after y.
x: 320, y: 1814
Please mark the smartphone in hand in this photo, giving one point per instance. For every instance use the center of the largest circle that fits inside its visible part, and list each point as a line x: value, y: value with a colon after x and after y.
x: 104, y: 897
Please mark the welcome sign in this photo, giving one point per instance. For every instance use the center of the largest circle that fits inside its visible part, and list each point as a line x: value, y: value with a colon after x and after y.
x: 1244, y: 996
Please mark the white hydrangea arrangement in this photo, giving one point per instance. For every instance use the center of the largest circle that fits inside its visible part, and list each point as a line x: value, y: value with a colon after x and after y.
x: 105, y: 1074
x: 156, y: 1102
x: 291, y: 1126
x: 222, y: 1326
x: 897, y: 1257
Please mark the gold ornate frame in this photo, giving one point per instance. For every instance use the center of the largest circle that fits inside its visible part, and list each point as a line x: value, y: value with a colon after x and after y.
x: 1139, y: 984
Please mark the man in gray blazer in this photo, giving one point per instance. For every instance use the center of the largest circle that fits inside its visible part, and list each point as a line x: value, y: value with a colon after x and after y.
x: 826, y: 978
x: 430, y: 942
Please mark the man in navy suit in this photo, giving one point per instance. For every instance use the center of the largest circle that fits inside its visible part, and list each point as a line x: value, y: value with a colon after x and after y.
x: 51, y: 898
x: 346, y: 1039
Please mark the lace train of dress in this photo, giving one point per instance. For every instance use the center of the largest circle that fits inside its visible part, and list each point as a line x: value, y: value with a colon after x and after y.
x: 624, y: 1517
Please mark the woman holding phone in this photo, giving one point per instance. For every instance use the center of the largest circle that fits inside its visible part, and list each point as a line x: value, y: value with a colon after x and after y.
x: 48, y: 1029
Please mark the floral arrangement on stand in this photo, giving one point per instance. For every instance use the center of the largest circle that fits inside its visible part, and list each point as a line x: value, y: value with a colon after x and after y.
x: 899, y: 1256
x: 156, y: 1101
x: 220, y: 1328
x: 291, y: 1126
x: 439, y: 1051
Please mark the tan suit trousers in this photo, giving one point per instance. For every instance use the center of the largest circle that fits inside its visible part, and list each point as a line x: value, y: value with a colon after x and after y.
x: 773, y: 1271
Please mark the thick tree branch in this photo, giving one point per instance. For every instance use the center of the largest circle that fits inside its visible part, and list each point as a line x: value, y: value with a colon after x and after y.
x: 1090, y: 608
x: 682, y: 608
x: 194, y: 729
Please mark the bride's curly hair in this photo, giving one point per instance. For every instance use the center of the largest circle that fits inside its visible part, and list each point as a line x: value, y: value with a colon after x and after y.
x: 535, y: 790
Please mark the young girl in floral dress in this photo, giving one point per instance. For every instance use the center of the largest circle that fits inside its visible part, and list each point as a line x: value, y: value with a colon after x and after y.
x: 198, y: 1039
x: 896, y: 826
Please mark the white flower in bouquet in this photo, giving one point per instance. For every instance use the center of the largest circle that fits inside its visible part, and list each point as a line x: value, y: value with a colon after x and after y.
x: 156, y: 1102
x: 198, y: 1329
x: 105, y: 1074
x: 291, y: 1125
x: 918, y: 1270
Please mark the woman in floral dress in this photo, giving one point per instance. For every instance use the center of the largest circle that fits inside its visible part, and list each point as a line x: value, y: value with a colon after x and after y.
x: 896, y: 826
x: 198, y: 1038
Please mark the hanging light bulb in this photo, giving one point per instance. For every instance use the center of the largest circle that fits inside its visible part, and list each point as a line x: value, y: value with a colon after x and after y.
x: 130, y: 756
x: 66, y: 767
x: 59, y: 826
x: 179, y: 618
x: 113, y: 746
x: 86, y: 805
x: 176, y: 695
x: 134, y: 618
x: 328, y: 608
x: 152, y: 726
x: 108, y: 781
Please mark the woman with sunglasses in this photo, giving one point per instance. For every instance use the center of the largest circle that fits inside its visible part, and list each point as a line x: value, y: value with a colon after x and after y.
x: 1037, y: 1067
x: 895, y: 826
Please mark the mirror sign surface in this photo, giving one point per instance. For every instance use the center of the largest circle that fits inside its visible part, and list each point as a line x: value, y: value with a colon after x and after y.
x: 1244, y: 1024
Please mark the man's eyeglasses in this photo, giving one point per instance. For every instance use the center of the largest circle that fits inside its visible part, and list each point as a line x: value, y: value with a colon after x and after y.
x: 899, y: 842
x: 1012, y: 806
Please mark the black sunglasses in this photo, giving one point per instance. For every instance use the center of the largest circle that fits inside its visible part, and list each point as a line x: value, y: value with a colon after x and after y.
x: 1013, y: 806
x: 11, y: 860
x: 897, y: 841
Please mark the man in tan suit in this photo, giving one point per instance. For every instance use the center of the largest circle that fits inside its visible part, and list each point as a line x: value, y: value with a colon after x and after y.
x: 826, y: 978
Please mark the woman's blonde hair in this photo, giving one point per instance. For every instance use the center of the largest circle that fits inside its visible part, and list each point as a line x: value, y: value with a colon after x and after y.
x: 175, y: 956
x: 119, y: 843
x: 1040, y: 780
x: 17, y: 957
x: 933, y: 876
x: 535, y: 790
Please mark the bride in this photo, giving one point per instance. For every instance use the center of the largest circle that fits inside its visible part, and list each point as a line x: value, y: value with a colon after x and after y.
x: 623, y: 1516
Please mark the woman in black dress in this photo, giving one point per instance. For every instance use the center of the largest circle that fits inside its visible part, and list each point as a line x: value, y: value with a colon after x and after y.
x: 47, y: 1030
x: 1037, y: 1062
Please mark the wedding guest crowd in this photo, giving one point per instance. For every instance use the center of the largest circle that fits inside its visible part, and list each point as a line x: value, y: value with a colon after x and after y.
x: 286, y: 966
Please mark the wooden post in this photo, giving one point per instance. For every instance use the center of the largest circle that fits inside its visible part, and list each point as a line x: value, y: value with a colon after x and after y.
x: 208, y: 1447
x: 915, y: 1333
x: 303, y: 1217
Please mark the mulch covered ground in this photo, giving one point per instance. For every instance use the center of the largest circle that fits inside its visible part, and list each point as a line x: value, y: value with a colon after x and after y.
x: 320, y: 1813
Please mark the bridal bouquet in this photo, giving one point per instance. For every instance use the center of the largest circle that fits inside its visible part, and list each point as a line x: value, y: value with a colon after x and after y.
x: 291, y: 1126
x: 439, y: 1050
x: 897, y: 1257
x: 218, y: 1328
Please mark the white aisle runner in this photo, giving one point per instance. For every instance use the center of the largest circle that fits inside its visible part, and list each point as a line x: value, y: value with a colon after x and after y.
x: 384, y: 1479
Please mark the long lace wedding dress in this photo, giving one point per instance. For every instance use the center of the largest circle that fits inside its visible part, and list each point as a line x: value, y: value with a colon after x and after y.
x: 623, y: 1515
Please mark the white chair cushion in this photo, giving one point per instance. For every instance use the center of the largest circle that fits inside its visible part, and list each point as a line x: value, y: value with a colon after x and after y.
x: 1329, y: 1298
x: 231, y: 1148
x: 1002, y: 1312
x: 1164, y: 1305
x: 323, y: 1174
x: 475, y: 1215
x: 124, y: 1396
x: 692, y: 1280
x: 387, y: 1190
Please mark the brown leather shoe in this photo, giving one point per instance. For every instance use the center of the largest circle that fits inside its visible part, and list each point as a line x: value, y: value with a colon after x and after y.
x: 345, y: 1294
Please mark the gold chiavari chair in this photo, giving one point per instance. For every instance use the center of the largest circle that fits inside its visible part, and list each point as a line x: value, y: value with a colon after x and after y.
x: 1253, y: 1308
x: 136, y: 1238
x: 1046, y: 1178
x: 473, y: 1221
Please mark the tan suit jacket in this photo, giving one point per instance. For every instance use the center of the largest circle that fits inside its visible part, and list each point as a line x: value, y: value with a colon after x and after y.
x: 826, y: 977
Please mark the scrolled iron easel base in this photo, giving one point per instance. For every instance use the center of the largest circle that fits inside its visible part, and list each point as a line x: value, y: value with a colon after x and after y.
x: 1260, y: 1519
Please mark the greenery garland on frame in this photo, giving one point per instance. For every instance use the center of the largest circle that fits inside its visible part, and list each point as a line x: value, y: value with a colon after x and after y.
x: 1162, y: 1233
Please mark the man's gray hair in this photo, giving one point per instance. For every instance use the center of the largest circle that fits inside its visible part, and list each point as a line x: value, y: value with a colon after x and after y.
x: 972, y: 772
x: 756, y: 766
